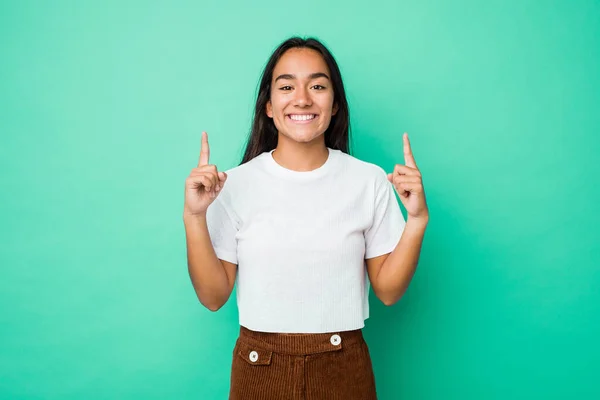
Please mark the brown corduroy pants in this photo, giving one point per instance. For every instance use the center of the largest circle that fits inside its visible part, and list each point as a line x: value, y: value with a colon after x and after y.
x: 316, y: 366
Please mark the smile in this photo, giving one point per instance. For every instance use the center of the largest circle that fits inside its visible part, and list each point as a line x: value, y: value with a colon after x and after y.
x: 302, y: 118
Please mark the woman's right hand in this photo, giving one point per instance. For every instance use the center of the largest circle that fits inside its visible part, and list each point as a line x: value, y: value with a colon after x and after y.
x: 203, y: 184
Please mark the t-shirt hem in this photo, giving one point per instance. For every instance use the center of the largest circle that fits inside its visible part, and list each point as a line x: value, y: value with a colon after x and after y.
x: 291, y: 329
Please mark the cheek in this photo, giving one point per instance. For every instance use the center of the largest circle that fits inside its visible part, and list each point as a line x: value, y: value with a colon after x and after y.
x: 277, y: 103
x: 278, y: 107
x: 327, y: 104
x: 329, y: 108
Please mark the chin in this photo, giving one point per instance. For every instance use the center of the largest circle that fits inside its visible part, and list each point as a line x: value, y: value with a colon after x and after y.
x: 307, y: 138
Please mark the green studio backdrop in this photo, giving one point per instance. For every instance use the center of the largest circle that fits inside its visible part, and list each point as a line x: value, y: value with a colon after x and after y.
x: 102, y: 105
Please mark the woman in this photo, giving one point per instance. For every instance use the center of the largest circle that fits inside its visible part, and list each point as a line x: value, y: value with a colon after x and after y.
x: 311, y: 229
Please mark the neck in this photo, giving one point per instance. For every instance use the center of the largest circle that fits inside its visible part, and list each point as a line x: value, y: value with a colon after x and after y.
x: 301, y: 157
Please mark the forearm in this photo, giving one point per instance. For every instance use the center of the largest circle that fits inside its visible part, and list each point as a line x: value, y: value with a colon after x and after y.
x: 206, y: 271
x: 399, y: 267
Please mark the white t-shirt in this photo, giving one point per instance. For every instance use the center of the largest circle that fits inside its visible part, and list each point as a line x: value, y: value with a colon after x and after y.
x: 300, y: 240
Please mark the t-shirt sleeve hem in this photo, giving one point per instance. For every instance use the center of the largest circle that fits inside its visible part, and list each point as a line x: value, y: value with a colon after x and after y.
x: 225, y: 255
x: 380, y: 250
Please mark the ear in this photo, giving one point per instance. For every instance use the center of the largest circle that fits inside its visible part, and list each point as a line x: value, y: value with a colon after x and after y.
x: 269, y: 109
x: 334, y: 109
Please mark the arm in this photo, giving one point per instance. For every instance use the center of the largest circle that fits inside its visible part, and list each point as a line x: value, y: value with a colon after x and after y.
x: 390, y: 274
x: 213, y: 279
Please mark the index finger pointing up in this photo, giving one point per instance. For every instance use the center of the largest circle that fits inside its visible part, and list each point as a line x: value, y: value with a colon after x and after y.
x: 204, y: 150
x: 409, y: 159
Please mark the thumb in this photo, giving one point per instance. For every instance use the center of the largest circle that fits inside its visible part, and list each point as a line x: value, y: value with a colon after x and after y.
x: 389, y: 176
x: 222, y: 176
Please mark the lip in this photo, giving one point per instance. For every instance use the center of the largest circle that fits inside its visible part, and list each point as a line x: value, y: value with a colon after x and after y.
x: 308, y: 121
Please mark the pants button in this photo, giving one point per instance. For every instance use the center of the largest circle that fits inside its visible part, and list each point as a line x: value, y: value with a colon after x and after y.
x: 253, y: 356
x: 335, y: 340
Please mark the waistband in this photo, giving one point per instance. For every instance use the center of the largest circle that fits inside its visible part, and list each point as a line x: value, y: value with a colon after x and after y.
x: 300, y: 344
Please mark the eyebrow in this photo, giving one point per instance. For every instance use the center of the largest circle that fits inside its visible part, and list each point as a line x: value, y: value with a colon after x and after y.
x: 311, y: 76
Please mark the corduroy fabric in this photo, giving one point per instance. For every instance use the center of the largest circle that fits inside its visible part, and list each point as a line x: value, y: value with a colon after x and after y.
x: 279, y: 366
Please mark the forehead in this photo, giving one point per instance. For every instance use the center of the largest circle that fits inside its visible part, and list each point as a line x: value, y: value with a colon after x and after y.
x: 300, y: 62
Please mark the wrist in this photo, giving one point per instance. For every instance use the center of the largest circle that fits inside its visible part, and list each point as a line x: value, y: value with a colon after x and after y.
x: 190, y: 216
x: 418, y: 222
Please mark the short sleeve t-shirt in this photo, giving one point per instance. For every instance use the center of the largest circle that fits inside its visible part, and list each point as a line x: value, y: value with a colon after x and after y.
x: 300, y: 240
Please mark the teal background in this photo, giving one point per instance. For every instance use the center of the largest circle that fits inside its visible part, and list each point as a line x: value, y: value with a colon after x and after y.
x: 101, y: 109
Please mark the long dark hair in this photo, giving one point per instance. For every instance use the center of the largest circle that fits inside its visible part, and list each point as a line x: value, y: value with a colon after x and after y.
x: 263, y: 136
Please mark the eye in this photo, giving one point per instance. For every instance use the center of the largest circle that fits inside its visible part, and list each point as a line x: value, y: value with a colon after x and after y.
x: 319, y: 87
x: 285, y: 88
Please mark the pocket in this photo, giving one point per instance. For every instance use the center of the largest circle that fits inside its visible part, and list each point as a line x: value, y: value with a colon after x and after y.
x: 253, y: 355
x: 253, y: 374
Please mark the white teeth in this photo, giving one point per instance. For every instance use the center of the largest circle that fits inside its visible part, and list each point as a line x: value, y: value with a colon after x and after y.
x: 301, y: 117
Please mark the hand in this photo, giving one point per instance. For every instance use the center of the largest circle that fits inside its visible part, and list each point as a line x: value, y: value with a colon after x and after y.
x: 203, y: 184
x: 408, y: 183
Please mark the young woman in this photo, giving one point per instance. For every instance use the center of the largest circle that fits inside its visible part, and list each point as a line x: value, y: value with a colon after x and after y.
x: 305, y: 229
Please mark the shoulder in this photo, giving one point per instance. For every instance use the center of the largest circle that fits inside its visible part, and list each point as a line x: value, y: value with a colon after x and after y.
x: 241, y: 172
x: 241, y: 178
x: 361, y: 168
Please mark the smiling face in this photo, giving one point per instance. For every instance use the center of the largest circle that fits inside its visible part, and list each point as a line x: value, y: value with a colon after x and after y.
x: 301, y: 103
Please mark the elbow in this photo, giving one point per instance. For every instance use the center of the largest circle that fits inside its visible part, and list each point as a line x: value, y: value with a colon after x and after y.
x: 386, y: 300
x: 391, y: 296
x: 211, y: 300
x: 389, y: 302
x: 212, y: 306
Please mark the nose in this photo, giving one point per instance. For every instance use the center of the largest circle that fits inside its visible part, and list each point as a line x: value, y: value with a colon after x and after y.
x: 302, y: 97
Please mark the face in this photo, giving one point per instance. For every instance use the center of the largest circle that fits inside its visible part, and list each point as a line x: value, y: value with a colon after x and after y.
x: 301, y: 103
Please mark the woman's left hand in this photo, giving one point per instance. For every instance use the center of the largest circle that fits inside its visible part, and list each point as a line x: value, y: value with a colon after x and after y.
x: 409, y: 185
